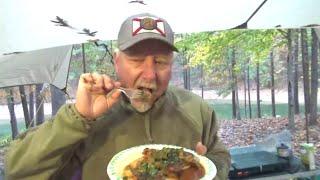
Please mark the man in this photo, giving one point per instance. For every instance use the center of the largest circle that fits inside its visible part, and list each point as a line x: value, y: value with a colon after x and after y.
x: 84, y: 136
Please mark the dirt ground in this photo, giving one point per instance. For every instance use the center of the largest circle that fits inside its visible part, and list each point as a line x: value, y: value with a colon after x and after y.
x: 247, y: 132
x: 2, y: 152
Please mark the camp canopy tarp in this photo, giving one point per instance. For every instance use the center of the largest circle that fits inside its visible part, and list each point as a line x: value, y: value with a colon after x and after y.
x: 40, y: 66
x: 26, y: 25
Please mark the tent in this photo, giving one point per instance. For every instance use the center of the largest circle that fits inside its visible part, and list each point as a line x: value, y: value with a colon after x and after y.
x: 49, y: 65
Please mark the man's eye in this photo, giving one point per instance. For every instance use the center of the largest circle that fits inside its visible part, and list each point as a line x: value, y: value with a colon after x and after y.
x: 136, y: 59
x: 161, y: 60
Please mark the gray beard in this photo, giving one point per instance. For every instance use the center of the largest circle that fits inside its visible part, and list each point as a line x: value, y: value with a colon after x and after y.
x: 141, y: 106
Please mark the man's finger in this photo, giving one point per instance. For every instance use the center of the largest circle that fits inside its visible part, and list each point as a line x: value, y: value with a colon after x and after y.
x: 108, y: 83
x: 117, y: 84
x: 112, y: 97
x: 98, y: 85
x: 86, y: 78
x: 201, y: 149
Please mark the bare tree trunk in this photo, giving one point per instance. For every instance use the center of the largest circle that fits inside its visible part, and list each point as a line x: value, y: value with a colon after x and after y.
x: 296, y: 72
x: 314, y: 78
x: 245, y: 92
x: 57, y: 99
x: 185, y: 85
x: 13, y: 119
x: 272, y: 84
x: 234, y: 112
x: 306, y: 77
x: 237, y: 105
x: 249, y: 95
x: 186, y: 74
x: 233, y: 94
x: 234, y: 86
x: 84, y: 67
x: 290, y: 81
x: 24, y: 106
x: 31, y: 104
x: 258, y: 91
x: 202, y: 81
x: 39, y: 105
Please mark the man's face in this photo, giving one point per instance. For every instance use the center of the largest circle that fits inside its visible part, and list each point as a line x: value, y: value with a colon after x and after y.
x: 145, y: 66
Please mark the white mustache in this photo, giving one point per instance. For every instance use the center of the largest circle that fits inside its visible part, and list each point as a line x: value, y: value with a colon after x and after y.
x: 152, y: 85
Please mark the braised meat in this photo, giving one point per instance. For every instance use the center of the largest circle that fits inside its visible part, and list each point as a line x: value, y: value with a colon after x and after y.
x: 164, y: 164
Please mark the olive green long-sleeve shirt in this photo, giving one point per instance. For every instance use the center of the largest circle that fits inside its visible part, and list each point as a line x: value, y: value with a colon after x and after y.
x: 56, y: 149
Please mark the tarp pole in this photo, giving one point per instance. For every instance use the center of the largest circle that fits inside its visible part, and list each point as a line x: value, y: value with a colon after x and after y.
x: 317, y: 30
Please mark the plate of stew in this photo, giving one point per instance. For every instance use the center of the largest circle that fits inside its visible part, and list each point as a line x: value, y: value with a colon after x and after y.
x: 160, y: 162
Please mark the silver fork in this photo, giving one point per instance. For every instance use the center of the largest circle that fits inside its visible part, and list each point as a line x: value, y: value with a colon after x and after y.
x: 131, y: 93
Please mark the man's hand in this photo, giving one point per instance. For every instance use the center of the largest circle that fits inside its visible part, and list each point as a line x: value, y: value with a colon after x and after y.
x: 95, y: 95
x: 201, y: 149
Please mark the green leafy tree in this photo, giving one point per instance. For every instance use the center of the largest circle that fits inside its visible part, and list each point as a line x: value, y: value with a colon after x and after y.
x: 211, y: 50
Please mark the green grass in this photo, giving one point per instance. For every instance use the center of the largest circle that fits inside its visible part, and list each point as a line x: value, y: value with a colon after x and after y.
x: 5, y: 140
x: 223, y: 109
x: 6, y: 128
x: 5, y: 133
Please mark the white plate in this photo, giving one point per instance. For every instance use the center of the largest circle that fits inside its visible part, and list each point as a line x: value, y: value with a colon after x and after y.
x: 122, y: 159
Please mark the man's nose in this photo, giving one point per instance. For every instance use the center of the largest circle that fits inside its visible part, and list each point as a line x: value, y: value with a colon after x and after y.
x: 149, y: 68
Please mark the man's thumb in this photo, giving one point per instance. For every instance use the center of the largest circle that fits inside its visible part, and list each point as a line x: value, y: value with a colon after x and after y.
x: 201, y: 149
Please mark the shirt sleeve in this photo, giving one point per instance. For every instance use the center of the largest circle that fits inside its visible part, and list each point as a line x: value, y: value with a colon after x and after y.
x: 43, y: 151
x: 216, y: 150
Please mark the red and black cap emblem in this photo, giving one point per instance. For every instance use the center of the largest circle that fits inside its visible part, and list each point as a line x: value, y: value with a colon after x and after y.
x: 147, y: 24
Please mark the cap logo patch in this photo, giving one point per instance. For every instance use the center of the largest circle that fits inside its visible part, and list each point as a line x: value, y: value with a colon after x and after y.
x: 147, y: 24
